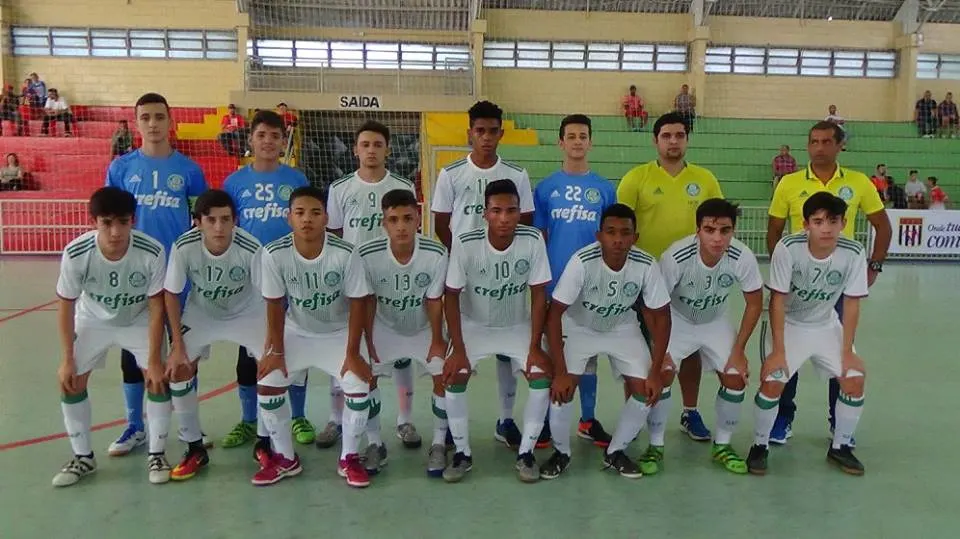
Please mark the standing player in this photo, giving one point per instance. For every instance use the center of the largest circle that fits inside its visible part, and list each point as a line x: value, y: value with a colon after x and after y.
x: 165, y: 182
x: 260, y: 193
x: 596, y: 291
x: 568, y: 205
x: 808, y: 271
x: 222, y: 262
x: 403, y: 273
x: 492, y: 269
x: 665, y: 195
x: 306, y: 276
x: 111, y: 294
x: 356, y: 216
x: 699, y: 272
x: 458, y: 208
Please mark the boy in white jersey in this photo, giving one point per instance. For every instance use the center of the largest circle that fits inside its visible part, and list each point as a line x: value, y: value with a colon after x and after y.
x: 590, y: 314
x: 808, y: 271
x: 355, y: 215
x: 403, y: 274
x: 116, y: 273
x: 305, y: 278
x: 457, y: 208
x: 222, y: 263
x: 699, y: 272
x: 491, y: 269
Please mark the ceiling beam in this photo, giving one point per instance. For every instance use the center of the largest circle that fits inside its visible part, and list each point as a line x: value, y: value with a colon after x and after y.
x: 908, y: 16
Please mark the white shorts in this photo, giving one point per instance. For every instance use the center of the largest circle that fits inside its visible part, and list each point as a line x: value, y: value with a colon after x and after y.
x: 714, y: 340
x: 821, y: 344
x: 94, y: 338
x: 392, y: 347
x: 200, y: 331
x: 625, y: 346
x: 324, y: 351
x: 483, y: 341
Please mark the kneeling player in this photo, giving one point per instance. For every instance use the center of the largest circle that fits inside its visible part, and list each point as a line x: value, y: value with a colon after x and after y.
x: 403, y: 274
x: 222, y: 262
x: 699, y: 272
x: 808, y: 271
x: 598, y: 286
x: 309, y: 270
x: 492, y: 268
x: 116, y: 273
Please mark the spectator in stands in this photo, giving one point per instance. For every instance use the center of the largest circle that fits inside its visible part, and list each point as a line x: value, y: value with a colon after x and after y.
x: 916, y: 192
x: 233, y: 132
x: 835, y: 118
x: 11, y: 175
x: 289, y: 118
x: 896, y: 194
x: 783, y: 164
x: 122, y: 140
x: 633, y: 110
x: 947, y: 113
x: 10, y: 109
x: 685, y: 104
x: 38, y: 90
x: 56, y: 109
x: 938, y: 198
x: 924, y: 114
x: 880, y: 180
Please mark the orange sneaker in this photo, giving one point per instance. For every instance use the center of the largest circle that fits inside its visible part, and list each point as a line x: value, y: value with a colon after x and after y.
x: 194, y: 460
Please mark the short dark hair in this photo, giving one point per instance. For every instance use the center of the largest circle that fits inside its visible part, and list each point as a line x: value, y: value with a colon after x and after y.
x: 112, y: 202
x: 309, y: 191
x: 500, y: 187
x: 397, y: 198
x: 374, y: 126
x: 823, y: 200
x: 281, y: 104
x: 932, y: 179
x: 485, y: 110
x: 717, y: 208
x: 824, y: 125
x: 151, y: 98
x: 576, y: 119
x: 213, y: 198
x: 267, y: 118
x: 669, y: 118
x: 54, y: 90
x: 619, y: 211
x: 913, y: 171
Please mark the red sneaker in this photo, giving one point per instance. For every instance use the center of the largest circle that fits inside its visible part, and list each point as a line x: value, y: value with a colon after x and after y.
x: 193, y: 461
x: 278, y: 468
x: 262, y: 454
x: 354, y: 472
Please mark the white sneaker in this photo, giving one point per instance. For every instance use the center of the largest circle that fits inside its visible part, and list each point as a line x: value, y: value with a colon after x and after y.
x: 127, y: 442
x: 74, y: 470
x: 159, y: 468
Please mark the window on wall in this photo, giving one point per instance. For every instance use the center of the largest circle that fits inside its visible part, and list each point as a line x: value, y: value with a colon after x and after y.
x: 580, y: 55
x: 358, y: 54
x: 124, y: 43
x: 938, y: 66
x: 801, y: 62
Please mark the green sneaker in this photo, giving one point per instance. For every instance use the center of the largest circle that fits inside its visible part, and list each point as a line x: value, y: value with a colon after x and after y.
x: 242, y: 433
x: 651, y: 462
x: 724, y: 455
x: 303, y: 431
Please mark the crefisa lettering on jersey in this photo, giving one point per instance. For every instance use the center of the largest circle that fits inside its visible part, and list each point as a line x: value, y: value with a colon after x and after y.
x: 506, y: 290
x: 270, y: 210
x: 401, y: 304
x: 368, y: 223
x: 811, y: 294
x: 575, y: 213
x: 318, y: 300
x: 219, y: 292
x: 120, y: 299
x: 159, y: 199
x: 704, y: 303
x: 606, y: 311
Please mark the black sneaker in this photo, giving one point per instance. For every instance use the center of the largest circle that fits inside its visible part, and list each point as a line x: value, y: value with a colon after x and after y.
x: 508, y: 433
x: 757, y: 460
x: 592, y: 430
x: 845, y: 459
x: 543, y: 441
x: 619, y: 461
x: 527, y: 470
x: 555, y: 465
x: 458, y: 469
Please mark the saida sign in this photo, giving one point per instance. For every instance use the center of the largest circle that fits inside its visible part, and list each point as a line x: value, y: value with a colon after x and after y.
x: 360, y: 102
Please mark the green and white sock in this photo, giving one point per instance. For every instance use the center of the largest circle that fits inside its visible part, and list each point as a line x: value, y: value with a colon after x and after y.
x: 633, y: 416
x: 728, y: 406
x: 159, y: 410
x: 277, y: 414
x: 76, y: 419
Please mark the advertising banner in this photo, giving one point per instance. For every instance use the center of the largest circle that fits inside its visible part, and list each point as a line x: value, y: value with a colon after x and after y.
x: 924, y: 232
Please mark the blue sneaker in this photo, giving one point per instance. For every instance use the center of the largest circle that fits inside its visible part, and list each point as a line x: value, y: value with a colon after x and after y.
x: 692, y: 424
x: 131, y: 439
x: 508, y: 433
x: 781, y: 432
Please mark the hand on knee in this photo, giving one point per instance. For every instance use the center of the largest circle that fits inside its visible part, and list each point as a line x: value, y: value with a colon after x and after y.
x: 853, y: 386
x: 733, y: 382
x: 771, y: 390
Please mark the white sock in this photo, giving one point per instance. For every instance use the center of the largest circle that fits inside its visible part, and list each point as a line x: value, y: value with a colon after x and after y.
x: 336, y: 401
x: 847, y: 416
x: 633, y: 416
x: 439, y: 420
x: 403, y: 377
x: 560, y: 415
x: 186, y: 406
x: 373, y: 418
x: 159, y: 410
x: 354, y: 423
x: 277, y: 415
x: 457, y: 417
x: 765, y: 414
x: 507, y: 388
x: 262, y: 430
x: 76, y: 419
x: 657, y: 420
x: 538, y: 402
x: 728, y: 405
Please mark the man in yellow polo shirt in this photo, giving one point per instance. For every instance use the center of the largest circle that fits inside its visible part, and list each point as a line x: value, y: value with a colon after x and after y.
x: 664, y: 194
x: 824, y: 174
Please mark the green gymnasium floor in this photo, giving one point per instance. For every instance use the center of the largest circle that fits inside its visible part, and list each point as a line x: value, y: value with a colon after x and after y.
x: 907, y: 442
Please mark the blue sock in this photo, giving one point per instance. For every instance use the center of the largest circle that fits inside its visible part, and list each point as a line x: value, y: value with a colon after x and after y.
x: 298, y: 400
x: 588, y: 396
x: 248, y: 403
x: 133, y: 396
